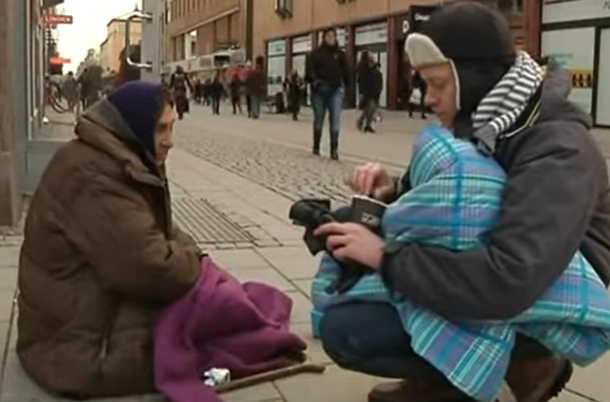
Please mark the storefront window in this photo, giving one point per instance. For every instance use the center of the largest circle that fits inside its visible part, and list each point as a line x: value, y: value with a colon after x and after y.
x: 564, y: 11
x: 276, y: 66
x: 573, y: 49
x: 603, y: 85
x: 192, y: 43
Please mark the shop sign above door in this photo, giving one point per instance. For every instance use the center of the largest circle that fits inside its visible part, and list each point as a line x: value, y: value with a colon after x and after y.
x: 276, y: 48
x: 301, y: 44
x: 413, y: 21
x: 574, y: 10
x: 371, y: 34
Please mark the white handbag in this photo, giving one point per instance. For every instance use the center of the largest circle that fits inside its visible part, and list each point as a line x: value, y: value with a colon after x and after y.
x: 415, y: 98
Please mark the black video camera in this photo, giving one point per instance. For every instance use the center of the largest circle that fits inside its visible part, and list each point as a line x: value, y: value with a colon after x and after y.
x: 313, y: 213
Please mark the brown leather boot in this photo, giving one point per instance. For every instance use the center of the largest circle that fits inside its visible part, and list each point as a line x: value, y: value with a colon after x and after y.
x: 538, y: 380
x: 412, y: 391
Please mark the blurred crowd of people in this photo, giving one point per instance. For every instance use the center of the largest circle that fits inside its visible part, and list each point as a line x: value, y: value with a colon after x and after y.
x: 327, y: 78
x: 250, y: 84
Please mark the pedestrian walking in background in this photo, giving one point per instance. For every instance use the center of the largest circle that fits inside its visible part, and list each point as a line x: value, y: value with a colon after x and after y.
x: 371, y: 99
x: 256, y: 84
x: 235, y: 89
x: 198, y: 93
x: 363, y: 76
x: 179, y: 82
x: 365, y: 86
x: 217, y: 91
x: 70, y: 90
x: 85, y: 89
x: 418, y: 94
x: 294, y: 89
x: 207, y: 98
x: 328, y: 73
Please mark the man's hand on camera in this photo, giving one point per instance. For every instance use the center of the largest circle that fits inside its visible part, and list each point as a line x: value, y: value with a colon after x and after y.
x: 353, y: 242
x: 371, y: 179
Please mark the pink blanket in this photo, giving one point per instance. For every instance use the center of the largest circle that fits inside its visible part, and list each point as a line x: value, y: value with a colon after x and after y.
x: 224, y: 324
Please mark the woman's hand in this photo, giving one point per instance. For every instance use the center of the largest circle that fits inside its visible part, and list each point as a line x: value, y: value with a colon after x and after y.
x: 353, y: 242
x: 371, y: 179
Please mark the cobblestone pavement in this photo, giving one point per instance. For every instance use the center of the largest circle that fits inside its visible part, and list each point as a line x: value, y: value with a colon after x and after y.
x: 275, y: 153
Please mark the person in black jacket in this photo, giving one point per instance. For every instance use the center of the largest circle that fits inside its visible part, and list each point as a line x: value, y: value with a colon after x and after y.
x: 217, y: 91
x: 364, y: 72
x: 370, y: 98
x: 417, y: 83
x: 236, y: 88
x: 556, y: 201
x: 294, y: 88
x: 328, y: 75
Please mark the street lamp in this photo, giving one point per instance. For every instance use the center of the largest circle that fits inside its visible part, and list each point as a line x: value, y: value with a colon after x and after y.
x: 135, y: 15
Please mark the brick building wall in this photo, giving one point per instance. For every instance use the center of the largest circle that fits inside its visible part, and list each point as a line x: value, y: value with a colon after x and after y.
x: 310, y: 17
x: 218, y: 23
x: 318, y: 14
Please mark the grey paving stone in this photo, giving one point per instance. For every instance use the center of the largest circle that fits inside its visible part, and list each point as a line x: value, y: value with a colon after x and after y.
x: 292, y: 262
x: 9, y: 256
x: 18, y: 387
x: 314, y: 350
x: 6, y: 304
x: 8, y: 278
x: 234, y: 259
x: 3, y: 337
x: 301, y: 308
x: 567, y: 396
x: 303, y: 285
x: 266, y: 275
x: 593, y: 380
x: 259, y: 393
x: 334, y: 385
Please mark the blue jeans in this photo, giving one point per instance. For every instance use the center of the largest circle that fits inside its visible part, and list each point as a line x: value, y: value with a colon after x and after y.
x: 256, y: 102
x: 331, y: 101
x: 369, y: 338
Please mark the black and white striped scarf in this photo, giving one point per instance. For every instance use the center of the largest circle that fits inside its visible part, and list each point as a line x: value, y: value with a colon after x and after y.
x: 503, y: 105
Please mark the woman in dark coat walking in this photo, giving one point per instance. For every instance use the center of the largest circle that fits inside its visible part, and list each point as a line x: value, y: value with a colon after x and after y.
x: 295, y: 90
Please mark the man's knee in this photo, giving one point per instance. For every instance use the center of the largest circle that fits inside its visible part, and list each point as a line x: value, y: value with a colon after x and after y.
x: 337, y: 340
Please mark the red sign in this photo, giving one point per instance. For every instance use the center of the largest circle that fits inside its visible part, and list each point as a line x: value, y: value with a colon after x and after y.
x: 59, y: 61
x: 55, y: 19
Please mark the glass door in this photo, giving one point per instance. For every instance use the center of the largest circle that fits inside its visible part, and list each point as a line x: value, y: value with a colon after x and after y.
x: 602, y: 110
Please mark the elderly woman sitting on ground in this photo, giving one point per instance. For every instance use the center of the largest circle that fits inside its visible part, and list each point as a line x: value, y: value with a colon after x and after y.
x: 101, y: 256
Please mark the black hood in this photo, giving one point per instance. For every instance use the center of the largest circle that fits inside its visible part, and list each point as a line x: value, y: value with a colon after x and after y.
x: 104, y: 114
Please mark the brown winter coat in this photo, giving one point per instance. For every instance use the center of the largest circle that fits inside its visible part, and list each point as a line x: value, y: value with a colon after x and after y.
x: 256, y: 83
x: 99, y: 261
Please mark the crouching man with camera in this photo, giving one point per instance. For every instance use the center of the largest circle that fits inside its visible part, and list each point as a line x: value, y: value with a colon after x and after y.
x: 552, y: 216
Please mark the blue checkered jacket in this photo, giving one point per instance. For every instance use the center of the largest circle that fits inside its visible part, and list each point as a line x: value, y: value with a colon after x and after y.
x: 454, y: 203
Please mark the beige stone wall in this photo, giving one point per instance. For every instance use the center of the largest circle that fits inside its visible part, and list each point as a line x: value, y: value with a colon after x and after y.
x: 217, y: 23
x: 111, y: 48
x: 9, y: 198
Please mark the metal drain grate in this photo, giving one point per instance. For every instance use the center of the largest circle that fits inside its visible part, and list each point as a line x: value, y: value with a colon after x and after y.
x: 206, y: 223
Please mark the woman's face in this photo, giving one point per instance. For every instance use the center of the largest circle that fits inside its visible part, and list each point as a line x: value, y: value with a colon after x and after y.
x: 164, y: 134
